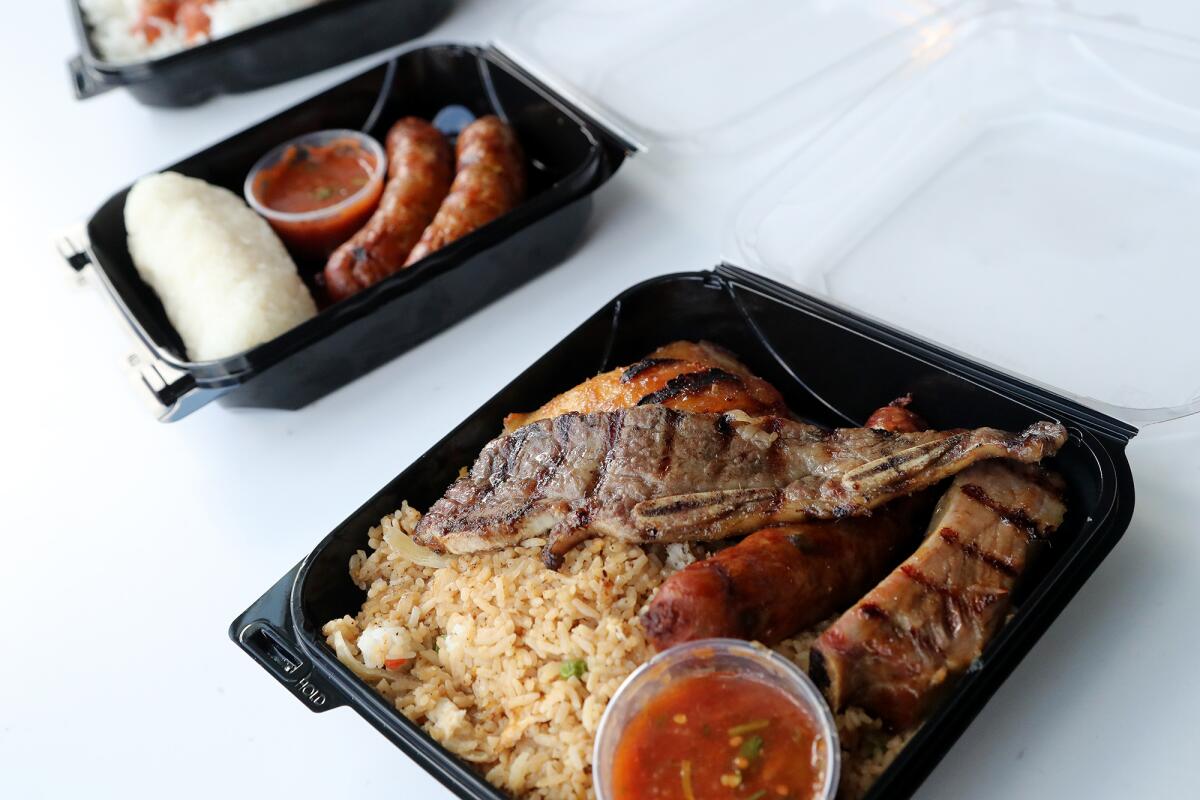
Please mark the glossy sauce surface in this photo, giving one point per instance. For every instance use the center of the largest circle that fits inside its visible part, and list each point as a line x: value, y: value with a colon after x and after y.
x: 311, y: 178
x: 720, y: 735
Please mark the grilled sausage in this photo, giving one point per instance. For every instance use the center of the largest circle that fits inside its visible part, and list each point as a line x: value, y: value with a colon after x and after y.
x: 420, y: 166
x: 896, y: 417
x: 781, y: 580
x: 489, y: 182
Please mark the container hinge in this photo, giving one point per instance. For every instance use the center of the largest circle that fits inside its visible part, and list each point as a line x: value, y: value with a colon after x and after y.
x: 86, y: 82
x: 620, y: 132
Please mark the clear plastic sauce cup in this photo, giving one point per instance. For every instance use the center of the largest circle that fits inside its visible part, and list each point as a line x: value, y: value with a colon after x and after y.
x: 734, y: 666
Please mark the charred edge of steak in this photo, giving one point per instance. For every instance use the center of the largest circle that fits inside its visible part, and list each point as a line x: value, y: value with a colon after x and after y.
x: 691, y: 382
x: 634, y: 370
x: 1013, y: 516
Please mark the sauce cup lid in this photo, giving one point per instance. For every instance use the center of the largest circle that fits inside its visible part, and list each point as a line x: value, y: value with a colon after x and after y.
x: 315, y: 139
x: 708, y: 656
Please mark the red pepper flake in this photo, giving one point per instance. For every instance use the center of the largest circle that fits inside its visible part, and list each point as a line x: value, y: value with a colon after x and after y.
x: 395, y: 663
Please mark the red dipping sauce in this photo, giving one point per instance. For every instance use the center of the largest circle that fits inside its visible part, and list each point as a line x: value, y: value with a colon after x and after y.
x: 719, y: 735
x: 319, y: 189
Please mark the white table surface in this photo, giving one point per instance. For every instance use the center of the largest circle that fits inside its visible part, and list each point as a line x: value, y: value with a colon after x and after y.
x: 129, y: 546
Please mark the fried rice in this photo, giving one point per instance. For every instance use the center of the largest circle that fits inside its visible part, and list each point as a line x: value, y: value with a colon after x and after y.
x: 471, y: 649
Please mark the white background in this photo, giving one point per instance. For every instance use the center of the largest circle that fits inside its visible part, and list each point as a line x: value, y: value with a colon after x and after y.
x: 129, y: 546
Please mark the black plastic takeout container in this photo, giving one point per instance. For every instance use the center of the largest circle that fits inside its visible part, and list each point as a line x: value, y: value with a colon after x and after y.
x: 568, y: 157
x: 834, y: 368
x: 274, y: 51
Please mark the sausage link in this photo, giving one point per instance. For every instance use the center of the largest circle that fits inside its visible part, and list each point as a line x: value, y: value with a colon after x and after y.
x: 489, y: 182
x: 779, y: 581
x: 420, y: 166
x: 896, y: 417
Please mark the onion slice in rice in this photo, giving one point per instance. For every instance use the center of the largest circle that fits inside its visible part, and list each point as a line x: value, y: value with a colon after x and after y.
x: 407, y: 549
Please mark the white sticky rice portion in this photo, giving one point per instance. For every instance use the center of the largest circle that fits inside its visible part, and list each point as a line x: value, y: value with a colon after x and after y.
x: 488, y: 634
x: 113, y: 21
x: 222, y: 274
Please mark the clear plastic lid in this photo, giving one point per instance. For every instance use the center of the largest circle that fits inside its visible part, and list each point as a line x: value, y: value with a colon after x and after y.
x: 669, y: 77
x: 1027, y: 196
x: 1006, y: 179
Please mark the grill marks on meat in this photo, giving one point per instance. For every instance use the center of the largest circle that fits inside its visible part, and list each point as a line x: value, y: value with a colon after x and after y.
x: 688, y: 384
x: 905, y: 643
x: 652, y: 474
x: 778, y: 581
x: 688, y: 376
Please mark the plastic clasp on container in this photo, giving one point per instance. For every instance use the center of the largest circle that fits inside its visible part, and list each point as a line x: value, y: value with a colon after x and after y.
x: 86, y: 82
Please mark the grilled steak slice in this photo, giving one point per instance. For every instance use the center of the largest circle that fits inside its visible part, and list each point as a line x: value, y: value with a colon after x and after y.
x: 652, y: 474
x: 778, y: 581
x: 906, y: 642
x: 688, y: 376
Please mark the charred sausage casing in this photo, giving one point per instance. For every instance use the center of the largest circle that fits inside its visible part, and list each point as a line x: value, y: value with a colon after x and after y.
x: 781, y: 580
x: 420, y: 168
x: 897, y: 417
x: 489, y: 182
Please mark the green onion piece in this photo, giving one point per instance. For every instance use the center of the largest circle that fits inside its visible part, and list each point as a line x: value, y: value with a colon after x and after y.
x: 572, y: 668
x: 323, y: 192
x: 757, y: 794
x: 685, y: 778
x: 748, y: 727
x: 751, y: 748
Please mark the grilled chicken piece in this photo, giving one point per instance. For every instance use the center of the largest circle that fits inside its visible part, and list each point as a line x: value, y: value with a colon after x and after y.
x: 778, y: 581
x: 906, y: 642
x: 688, y: 376
x: 653, y: 474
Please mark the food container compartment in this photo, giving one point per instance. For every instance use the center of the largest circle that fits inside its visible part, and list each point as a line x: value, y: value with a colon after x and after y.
x: 296, y: 44
x: 569, y: 156
x: 833, y: 367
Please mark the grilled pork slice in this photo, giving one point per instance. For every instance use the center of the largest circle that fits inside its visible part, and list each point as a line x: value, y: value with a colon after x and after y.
x: 905, y: 643
x: 778, y: 581
x: 653, y: 474
x: 688, y: 376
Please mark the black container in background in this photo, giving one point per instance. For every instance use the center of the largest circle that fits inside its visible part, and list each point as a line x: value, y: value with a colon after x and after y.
x: 568, y: 154
x: 305, y: 41
x: 833, y: 368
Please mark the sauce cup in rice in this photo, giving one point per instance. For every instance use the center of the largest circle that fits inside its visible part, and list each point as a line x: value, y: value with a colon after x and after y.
x: 717, y: 717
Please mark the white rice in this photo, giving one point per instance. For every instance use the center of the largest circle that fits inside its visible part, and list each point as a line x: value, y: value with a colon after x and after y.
x: 113, y: 22
x: 223, y: 276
